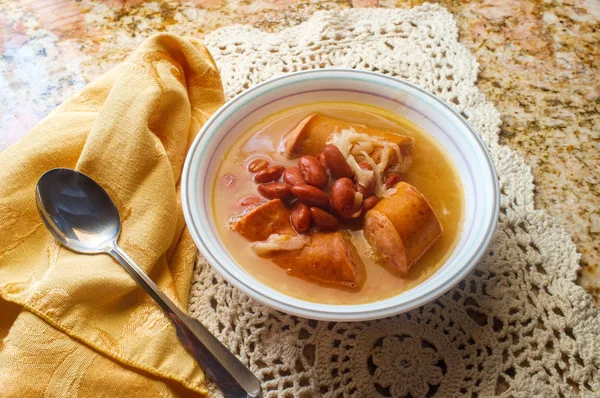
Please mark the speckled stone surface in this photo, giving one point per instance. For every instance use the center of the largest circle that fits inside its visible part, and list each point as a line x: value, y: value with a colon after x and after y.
x: 540, y: 65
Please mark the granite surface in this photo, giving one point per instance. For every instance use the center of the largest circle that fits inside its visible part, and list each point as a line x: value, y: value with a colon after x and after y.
x: 540, y: 65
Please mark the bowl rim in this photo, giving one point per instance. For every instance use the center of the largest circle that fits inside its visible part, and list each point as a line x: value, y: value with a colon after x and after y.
x: 320, y: 314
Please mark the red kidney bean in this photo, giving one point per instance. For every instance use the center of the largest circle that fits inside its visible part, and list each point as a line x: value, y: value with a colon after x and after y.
x: 269, y: 174
x: 392, y: 180
x: 292, y: 176
x: 301, y: 218
x: 337, y: 163
x: 369, y: 203
x: 342, y: 196
x: 250, y: 201
x: 310, y: 195
x: 258, y: 165
x: 313, y: 171
x: 275, y: 190
x: 323, y: 220
x: 323, y: 161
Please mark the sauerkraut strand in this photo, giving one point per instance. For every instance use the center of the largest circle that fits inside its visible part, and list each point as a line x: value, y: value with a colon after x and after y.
x: 277, y: 242
x: 351, y: 144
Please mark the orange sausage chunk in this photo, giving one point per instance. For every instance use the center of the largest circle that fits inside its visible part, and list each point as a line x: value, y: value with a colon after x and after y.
x: 329, y: 257
x: 262, y: 221
x: 311, y: 135
x: 401, y: 228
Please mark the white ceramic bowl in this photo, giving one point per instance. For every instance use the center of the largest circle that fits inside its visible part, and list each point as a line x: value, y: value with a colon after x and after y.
x: 435, y: 117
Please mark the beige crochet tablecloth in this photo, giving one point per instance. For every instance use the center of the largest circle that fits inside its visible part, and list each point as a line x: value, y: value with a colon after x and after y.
x: 518, y: 325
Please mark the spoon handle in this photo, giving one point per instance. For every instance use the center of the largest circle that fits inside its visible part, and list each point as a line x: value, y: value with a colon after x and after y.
x: 230, y: 375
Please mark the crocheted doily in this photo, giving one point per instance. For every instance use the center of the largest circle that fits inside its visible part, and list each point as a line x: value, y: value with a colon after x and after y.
x: 518, y: 325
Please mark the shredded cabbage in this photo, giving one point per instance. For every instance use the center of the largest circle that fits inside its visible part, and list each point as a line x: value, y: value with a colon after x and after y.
x: 352, y: 144
x: 362, y: 176
x: 385, y: 158
x: 358, y: 198
x: 379, y: 187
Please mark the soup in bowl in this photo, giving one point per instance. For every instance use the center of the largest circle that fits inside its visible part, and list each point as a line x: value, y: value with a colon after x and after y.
x: 340, y: 194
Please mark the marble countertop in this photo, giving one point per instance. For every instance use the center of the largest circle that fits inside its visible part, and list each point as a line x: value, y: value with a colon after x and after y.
x: 540, y: 65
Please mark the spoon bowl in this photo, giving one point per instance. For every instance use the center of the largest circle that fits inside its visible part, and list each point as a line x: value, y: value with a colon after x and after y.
x: 77, y: 211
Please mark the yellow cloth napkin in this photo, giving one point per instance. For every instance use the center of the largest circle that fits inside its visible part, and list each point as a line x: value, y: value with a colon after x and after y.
x: 77, y: 325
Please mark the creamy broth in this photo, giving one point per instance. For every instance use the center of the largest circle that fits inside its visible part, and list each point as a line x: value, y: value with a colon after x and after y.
x: 432, y: 173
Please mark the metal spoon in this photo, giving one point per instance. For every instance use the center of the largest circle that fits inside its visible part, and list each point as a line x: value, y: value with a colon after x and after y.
x: 82, y: 216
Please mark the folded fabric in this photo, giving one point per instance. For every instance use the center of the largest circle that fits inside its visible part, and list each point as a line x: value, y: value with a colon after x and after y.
x: 78, y: 325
